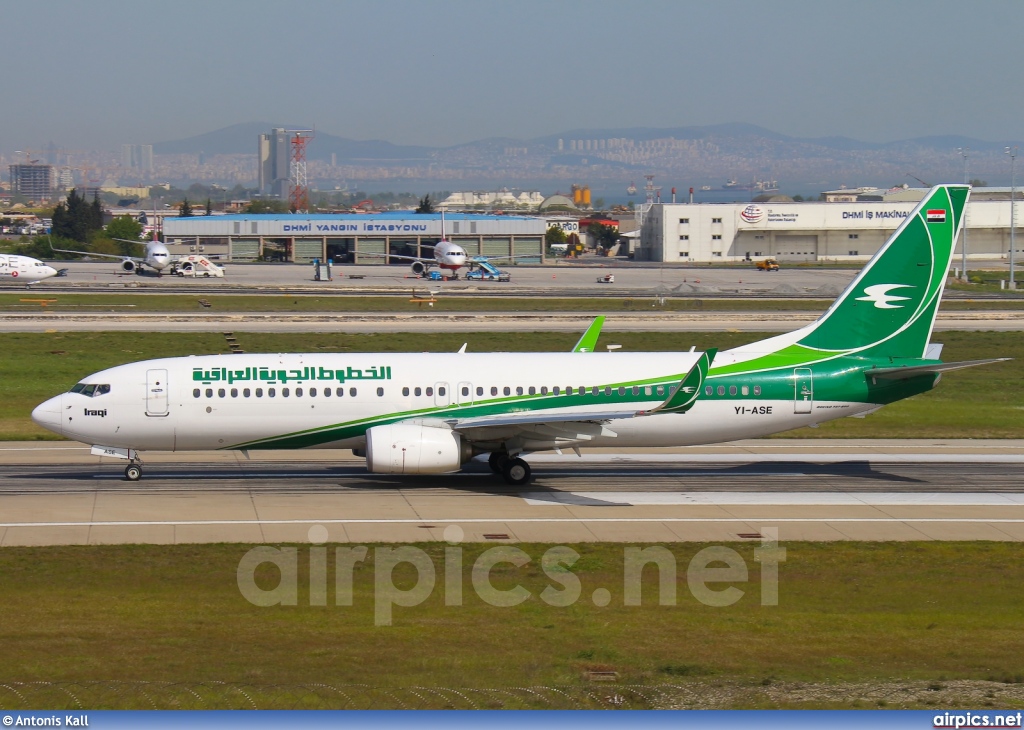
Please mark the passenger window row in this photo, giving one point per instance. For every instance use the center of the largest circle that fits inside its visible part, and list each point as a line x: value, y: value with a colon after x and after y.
x: 732, y: 389
x: 495, y: 391
x: 428, y: 391
x: 273, y: 393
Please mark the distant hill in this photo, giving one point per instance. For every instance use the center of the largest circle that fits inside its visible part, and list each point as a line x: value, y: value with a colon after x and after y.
x: 241, y: 139
x: 706, y: 156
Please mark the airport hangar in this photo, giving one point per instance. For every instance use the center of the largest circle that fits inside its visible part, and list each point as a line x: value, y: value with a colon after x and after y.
x: 350, y: 238
x: 808, y: 231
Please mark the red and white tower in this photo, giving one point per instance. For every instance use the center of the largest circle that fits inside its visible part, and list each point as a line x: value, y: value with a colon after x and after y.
x: 298, y: 197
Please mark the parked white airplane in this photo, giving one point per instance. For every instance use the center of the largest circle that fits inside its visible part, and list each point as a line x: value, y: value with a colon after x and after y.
x: 157, y: 256
x: 447, y: 255
x: 23, y: 269
x: 430, y: 413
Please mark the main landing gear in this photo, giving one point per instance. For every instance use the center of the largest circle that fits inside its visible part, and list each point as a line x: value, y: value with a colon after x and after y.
x: 514, y: 471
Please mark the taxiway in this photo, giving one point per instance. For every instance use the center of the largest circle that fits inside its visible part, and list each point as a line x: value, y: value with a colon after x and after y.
x: 807, y: 490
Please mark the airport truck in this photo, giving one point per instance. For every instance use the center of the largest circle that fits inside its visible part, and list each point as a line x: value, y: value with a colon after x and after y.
x: 197, y: 266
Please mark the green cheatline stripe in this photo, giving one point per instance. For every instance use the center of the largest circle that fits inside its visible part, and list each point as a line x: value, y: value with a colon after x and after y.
x: 497, y: 406
x: 844, y: 382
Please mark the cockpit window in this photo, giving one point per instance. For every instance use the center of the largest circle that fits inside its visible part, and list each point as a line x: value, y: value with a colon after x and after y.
x: 91, y: 390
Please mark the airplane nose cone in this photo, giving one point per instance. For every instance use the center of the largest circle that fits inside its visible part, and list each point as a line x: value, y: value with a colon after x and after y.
x: 49, y: 414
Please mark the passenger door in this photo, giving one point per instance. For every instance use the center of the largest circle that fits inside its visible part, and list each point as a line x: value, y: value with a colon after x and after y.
x: 156, y: 393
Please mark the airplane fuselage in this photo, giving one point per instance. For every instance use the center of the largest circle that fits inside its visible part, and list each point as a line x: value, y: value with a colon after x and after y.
x: 330, y: 400
x: 157, y: 257
x: 23, y: 269
x: 448, y: 255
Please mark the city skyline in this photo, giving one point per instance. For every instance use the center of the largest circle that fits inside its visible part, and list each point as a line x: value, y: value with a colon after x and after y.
x: 723, y: 158
x: 453, y: 73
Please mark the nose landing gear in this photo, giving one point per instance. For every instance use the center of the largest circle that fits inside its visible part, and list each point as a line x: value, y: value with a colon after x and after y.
x: 133, y: 472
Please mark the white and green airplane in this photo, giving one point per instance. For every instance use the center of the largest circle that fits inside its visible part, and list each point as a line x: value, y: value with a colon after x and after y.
x: 427, y: 413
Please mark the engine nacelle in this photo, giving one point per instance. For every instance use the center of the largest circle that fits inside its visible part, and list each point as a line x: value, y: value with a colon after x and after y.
x: 418, y: 268
x: 405, y: 448
x: 128, y: 266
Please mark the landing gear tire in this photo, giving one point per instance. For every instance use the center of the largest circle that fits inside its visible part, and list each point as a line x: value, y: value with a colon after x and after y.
x: 497, y: 461
x: 516, y: 472
x: 133, y: 472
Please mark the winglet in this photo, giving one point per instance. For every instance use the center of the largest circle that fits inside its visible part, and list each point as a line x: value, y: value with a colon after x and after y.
x: 588, y: 341
x: 681, y: 398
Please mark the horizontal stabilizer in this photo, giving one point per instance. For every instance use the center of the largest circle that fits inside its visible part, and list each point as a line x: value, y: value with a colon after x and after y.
x: 912, y: 371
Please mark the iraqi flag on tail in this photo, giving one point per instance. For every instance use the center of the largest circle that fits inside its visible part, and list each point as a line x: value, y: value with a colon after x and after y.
x: 936, y: 216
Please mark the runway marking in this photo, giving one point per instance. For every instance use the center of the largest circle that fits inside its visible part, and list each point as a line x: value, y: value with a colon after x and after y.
x: 518, y: 520
x: 829, y: 499
x: 462, y: 475
x: 879, y: 457
x: 45, y: 448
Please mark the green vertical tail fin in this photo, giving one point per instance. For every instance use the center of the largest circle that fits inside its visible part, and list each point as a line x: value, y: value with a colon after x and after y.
x: 889, y: 309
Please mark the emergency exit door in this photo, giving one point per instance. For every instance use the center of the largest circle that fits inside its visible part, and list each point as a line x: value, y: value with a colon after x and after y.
x: 803, y: 390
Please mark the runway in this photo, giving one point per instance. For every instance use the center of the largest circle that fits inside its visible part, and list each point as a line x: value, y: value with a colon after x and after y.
x: 807, y: 490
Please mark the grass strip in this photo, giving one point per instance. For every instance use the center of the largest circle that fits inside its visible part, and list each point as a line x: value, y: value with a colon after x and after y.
x: 847, y: 612
x: 979, y: 402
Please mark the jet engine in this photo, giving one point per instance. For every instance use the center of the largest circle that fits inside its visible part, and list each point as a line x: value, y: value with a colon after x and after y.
x: 419, y: 268
x: 128, y: 266
x: 404, y: 448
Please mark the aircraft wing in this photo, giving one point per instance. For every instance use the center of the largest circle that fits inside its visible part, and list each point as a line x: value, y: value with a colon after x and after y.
x: 398, y: 256
x: 588, y: 341
x: 136, y: 259
x: 503, y: 258
x: 680, y: 399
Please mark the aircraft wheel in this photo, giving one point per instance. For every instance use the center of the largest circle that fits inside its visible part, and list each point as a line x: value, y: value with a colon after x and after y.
x: 133, y: 472
x: 497, y: 461
x: 516, y: 472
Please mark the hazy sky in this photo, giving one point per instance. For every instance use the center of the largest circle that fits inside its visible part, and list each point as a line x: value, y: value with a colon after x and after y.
x: 97, y: 74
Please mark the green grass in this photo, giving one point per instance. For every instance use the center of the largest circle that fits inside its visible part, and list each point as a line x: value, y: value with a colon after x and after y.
x: 847, y: 612
x: 124, y: 303
x: 979, y: 402
x: 987, y: 282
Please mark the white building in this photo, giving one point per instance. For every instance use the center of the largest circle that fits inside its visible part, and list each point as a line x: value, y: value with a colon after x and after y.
x: 500, y: 198
x: 810, y: 231
x: 345, y: 238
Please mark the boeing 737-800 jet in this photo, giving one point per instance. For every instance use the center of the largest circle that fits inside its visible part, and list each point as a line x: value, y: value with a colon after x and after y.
x: 448, y: 256
x: 157, y: 256
x: 431, y: 413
